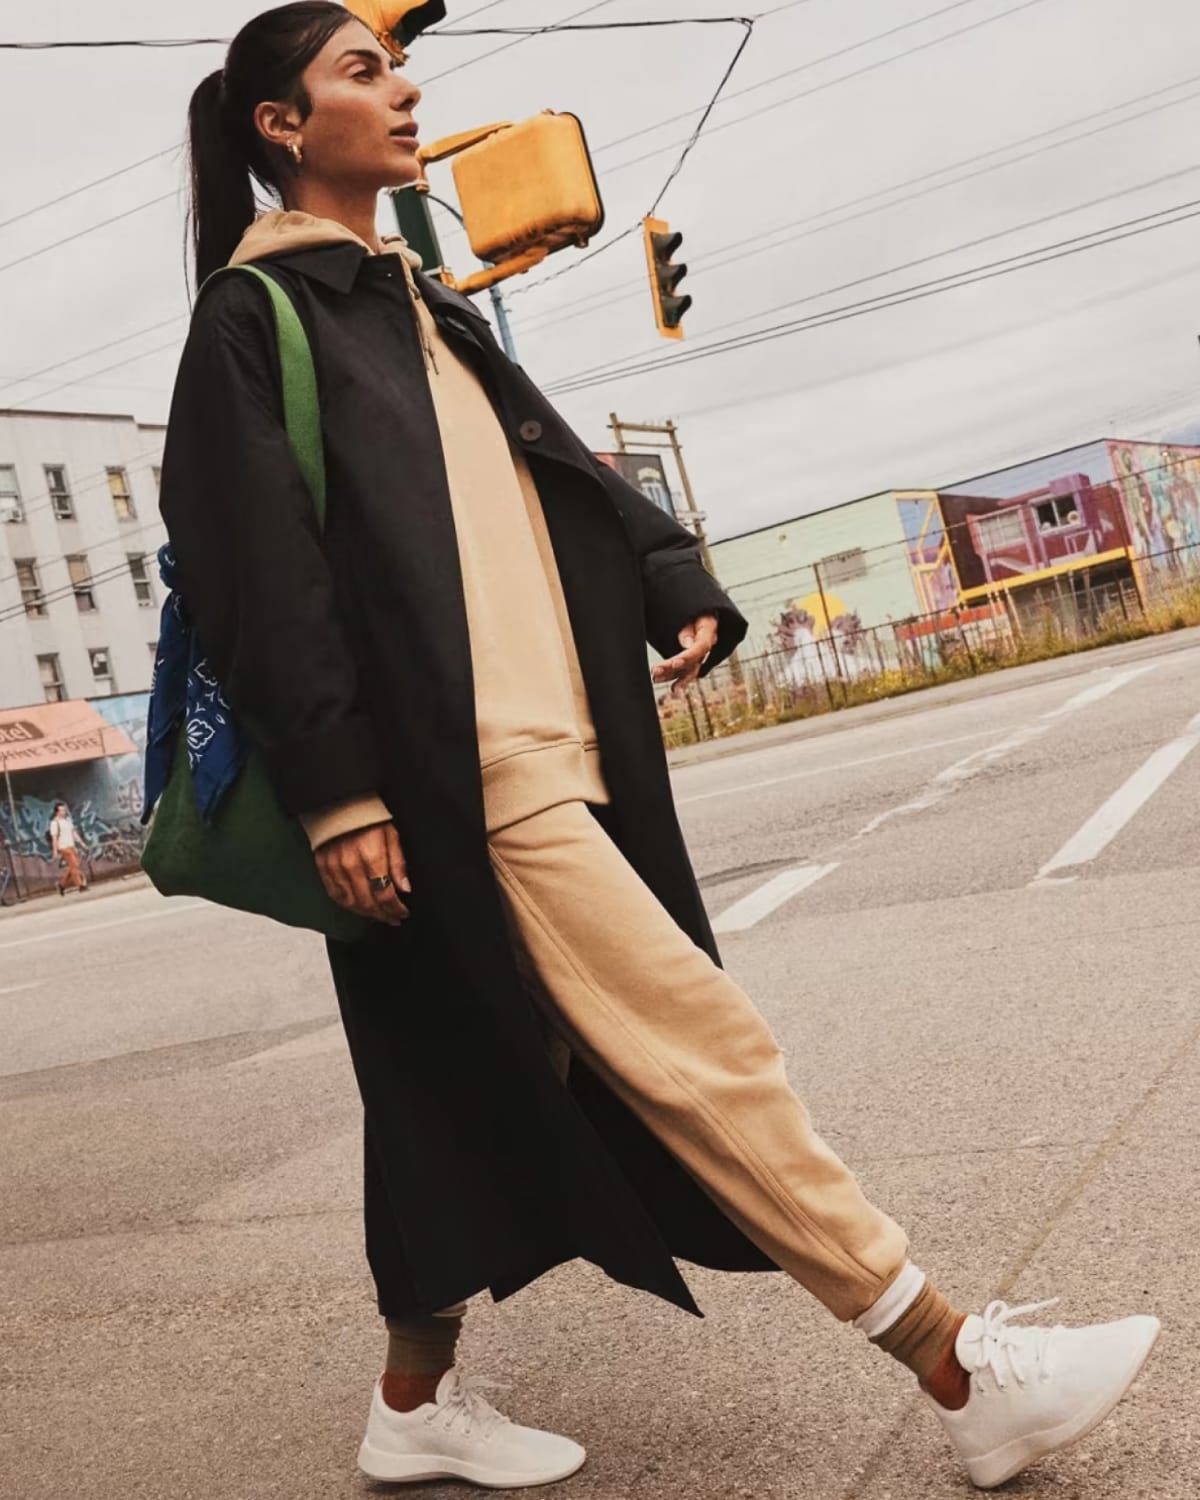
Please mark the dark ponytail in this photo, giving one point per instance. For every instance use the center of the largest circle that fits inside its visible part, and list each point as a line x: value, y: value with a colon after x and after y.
x: 228, y: 155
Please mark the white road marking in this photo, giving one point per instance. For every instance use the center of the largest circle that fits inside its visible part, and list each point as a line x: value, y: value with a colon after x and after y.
x: 146, y: 916
x: 15, y: 989
x: 949, y: 780
x: 844, y: 765
x: 1125, y: 803
x: 767, y: 898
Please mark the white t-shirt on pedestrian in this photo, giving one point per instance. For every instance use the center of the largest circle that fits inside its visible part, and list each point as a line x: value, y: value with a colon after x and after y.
x: 64, y: 831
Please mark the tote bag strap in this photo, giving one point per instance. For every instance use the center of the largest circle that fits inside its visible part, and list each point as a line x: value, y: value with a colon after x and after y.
x: 301, y: 408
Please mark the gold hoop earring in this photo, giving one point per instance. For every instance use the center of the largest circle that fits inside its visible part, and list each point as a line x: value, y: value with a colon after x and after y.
x: 296, y: 152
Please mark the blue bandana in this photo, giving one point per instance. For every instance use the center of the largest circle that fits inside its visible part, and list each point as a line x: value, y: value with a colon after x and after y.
x: 184, y: 691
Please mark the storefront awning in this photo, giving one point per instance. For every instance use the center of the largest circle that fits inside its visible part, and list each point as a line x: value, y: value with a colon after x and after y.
x: 57, y: 734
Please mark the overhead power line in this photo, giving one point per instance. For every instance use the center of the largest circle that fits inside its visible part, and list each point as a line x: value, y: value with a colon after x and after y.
x: 605, y: 374
x: 955, y: 249
x: 804, y: 67
x: 620, y: 291
x: 818, y: 88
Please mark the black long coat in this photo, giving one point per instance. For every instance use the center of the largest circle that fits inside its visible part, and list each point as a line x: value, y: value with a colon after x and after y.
x: 349, y: 663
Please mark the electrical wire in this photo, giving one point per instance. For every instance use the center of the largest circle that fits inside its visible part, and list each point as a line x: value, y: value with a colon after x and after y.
x: 688, y: 146
x: 116, y: 570
x: 819, y: 88
x: 91, y: 229
x: 621, y: 292
x: 87, y: 353
x: 685, y: 356
x: 38, y: 208
x: 814, y: 62
x: 44, y: 501
x: 525, y: 37
x: 605, y: 374
x: 972, y: 244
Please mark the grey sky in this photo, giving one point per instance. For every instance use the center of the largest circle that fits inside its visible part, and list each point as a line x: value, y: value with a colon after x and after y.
x: 933, y: 391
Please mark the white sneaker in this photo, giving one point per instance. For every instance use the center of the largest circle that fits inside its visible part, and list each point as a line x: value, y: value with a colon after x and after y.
x: 461, y: 1436
x: 1036, y: 1390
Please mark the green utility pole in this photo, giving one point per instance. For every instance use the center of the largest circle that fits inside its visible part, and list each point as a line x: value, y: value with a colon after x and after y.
x: 416, y: 225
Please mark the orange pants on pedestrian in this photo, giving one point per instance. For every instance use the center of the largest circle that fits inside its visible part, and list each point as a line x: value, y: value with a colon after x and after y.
x: 71, y: 878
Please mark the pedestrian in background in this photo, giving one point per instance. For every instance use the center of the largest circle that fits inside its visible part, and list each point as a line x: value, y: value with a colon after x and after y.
x: 448, y: 688
x: 66, y: 844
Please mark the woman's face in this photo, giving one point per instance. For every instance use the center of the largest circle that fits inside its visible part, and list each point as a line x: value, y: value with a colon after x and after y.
x: 360, y: 130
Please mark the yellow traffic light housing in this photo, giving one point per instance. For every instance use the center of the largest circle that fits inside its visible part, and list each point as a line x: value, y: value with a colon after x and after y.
x: 526, y: 190
x: 396, y: 22
x: 665, y: 276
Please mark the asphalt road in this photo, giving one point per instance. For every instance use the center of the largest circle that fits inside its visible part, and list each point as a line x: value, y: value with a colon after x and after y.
x: 971, y: 917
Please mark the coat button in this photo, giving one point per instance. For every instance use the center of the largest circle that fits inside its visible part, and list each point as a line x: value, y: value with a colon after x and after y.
x: 531, y: 432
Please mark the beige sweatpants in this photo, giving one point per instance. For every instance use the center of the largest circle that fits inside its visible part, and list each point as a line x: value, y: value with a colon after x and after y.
x: 684, y: 1048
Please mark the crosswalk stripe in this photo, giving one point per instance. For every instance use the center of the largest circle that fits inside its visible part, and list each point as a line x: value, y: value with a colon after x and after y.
x: 767, y: 898
x: 1111, y: 817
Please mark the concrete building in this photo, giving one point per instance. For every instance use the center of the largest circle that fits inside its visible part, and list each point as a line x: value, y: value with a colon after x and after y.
x: 79, y: 529
x: 1081, y: 534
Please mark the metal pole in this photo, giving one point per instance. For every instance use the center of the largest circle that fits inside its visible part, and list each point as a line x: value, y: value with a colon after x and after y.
x: 499, y: 307
x: 503, y: 325
x: 693, y: 510
x: 12, y: 813
x: 828, y: 622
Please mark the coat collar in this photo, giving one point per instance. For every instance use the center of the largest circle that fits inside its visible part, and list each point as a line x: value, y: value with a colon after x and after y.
x: 337, y: 266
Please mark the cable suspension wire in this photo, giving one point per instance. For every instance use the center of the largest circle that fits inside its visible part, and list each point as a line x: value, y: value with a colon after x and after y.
x: 605, y: 374
x: 116, y: 570
x: 814, y: 62
x: 684, y: 356
x: 922, y: 260
x: 727, y: 254
x: 820, y: 88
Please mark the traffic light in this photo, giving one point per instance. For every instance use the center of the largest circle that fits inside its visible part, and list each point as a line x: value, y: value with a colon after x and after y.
x: 396, y: 22
x: 665, y: 276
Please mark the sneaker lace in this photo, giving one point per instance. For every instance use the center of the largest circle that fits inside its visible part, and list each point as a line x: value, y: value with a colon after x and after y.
x: 1019, y: 1353
x: 465, y: 1409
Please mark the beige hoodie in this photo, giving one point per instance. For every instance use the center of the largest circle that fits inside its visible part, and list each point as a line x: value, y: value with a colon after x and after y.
x: 537, y: 743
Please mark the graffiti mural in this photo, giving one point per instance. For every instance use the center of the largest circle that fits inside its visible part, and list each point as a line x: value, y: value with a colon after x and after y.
x: 1160, y: 485
x: 104, y: 796
x: 929, y: 553
x: 813, y: 648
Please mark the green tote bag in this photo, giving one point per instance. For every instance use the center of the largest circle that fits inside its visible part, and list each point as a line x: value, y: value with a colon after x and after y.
x: 253, y: 856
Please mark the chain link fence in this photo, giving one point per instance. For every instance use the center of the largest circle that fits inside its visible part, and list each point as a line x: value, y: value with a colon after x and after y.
x: 812, y: 671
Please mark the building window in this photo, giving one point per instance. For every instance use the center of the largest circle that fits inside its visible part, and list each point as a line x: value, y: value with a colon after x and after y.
x: 122, y: 499
x: 11, y: 508
x: 102, y: 674
x: 30, y: 585
x: 1054, y: 514
x: 843, y: 567
x: 60, y: 492
x: 51, y: 674
x: 1004, y: 529
x: 143, y: 586
x: 81, y: 582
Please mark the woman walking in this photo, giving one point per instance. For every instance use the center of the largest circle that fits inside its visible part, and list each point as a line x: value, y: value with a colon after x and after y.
x: 449, y: 691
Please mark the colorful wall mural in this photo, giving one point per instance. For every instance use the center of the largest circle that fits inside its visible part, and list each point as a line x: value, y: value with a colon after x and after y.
x: 105, y: 797
x: 1160, y: 485
x: 858, y: 550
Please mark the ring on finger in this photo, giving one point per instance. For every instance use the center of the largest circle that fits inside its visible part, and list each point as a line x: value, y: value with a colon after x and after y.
x: 379, y: 882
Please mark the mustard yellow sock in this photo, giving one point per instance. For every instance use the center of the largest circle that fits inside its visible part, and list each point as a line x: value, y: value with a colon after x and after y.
x: 418, y: 1355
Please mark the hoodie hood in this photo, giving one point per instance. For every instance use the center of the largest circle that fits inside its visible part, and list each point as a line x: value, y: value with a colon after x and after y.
x: 283, y: 232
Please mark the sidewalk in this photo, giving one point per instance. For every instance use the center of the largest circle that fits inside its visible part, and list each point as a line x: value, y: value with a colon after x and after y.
x: 986, y: 685
x: 114, y: 885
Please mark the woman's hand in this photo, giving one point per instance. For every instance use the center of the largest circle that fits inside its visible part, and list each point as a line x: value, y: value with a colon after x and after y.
x: 348, y: 864
x: 697, y: 638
